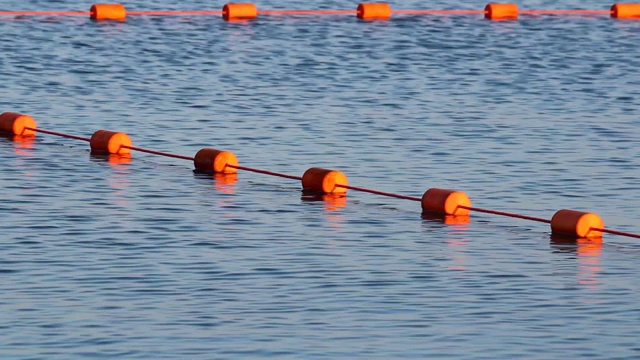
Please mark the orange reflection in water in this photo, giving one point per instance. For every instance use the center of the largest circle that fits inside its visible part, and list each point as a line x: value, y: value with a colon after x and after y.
x: 458, y: 256
x: 456, y: 243
x: 120, y: 183
x: 23, y: 143
x: 119, y: 180
x: 21, y: 147
x: 116, y: 160
x: 447, y: 219
x: 332, y: 204
x: 588, y: 253
x: 225, y: 182
x: 239, y: 21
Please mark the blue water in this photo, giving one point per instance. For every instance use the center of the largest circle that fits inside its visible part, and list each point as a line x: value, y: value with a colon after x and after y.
x: 145, y: 259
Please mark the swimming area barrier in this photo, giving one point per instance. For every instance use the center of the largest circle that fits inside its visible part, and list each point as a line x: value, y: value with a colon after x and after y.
x: 435, y: 202
x: 364, y: 11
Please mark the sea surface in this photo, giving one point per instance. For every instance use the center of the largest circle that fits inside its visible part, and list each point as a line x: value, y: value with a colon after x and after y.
x: 142, y: 258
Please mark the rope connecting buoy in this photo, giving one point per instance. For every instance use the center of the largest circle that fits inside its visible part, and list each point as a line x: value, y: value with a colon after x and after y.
x: 325, y: 181
x: 448, y: 202
x: 368, y: 11
x: 17, y: 124
x: 239, y: 11
x: 108, y: 12
x: 625, y: 11
x: 501, y: 11
x: 216, y: 161
x: 110, y: 142
x: 577, y: 224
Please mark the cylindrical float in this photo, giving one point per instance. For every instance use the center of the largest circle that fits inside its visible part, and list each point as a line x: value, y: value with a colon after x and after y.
x: 17, y: 124
x: 373, y: 11
x: 324, y: 181
x: 236, y: 11
x: 576, y: 223
x: 110, y: 142
x: 212, y: 160
x: 108, y: 12
x: 625, y: 11
x: 501, y: 11
x: 445, y: 201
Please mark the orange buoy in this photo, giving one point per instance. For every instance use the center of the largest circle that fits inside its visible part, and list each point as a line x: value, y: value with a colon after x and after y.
x: 576, y: 223
x: 501, y: 11
x: 108, y: 12
x: 444, y: 201
x: 110, y: 142
x: 324, y: 181
x: 17, y: 124
x: 625, y: 11
x: 373, y: 11
x: 212, y: 160
x: 231, y: 11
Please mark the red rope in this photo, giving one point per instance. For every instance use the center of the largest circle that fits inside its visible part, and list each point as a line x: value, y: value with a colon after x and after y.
x: 502, y: 213
x: 438, y: 12
x: 306, y: 12
x: 615, y: 232
x: 355, y: 188
x: 59, y: 134
x: 157, y: 152
x: 264, y: 172
x: 565, y: 12
x: 45, y: 13
x: 176, y: 12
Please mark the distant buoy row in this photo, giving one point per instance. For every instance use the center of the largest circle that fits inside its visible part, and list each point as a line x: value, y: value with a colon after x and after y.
x: 365, y: 11
x: 442, y: 202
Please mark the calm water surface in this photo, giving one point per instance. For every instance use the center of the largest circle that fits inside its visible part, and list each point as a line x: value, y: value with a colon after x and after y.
x: 145, y: 259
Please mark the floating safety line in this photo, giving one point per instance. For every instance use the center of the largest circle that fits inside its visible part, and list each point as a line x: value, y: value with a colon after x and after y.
x: 442, y: 201
x: 370, y: 10
x: 305, y: 12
